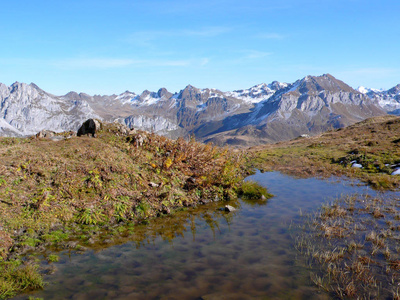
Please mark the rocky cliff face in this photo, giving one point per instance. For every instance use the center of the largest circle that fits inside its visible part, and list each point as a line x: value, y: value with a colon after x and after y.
x: 28, y: 109
x: 262, y: 113
x: 308, y: 106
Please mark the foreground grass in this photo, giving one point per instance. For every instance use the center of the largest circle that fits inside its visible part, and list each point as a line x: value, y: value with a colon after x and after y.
x: 17, y: 277
x: 63, y: 194
x: 373, y: 143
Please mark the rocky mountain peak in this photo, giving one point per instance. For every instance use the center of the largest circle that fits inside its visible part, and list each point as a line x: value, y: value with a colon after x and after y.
x: 314, y: 84
x: 190, y: 92
x: 394, y: 90
x: 276, y: 85
x: 71, y: 94
x: 163, y: 92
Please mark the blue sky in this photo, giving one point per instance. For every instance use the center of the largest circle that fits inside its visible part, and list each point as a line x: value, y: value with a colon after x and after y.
x: 105, y: 47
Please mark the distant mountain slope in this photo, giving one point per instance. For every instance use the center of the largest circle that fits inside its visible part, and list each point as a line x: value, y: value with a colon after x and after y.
x: 389, y: 100
x: 262, y: 113
x: 28, y: 109
x: 308, y: 106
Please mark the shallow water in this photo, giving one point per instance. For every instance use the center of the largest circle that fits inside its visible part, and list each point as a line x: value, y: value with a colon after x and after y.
x: 246, y: 254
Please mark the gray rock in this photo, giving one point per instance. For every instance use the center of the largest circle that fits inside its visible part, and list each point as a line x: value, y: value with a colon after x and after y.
x: 71, y: 245
x: 138, y: 140
x: 152, y: 184
x: 356, y: 165
x: 229, y: 208
x: 57, y: 138
x: 45, y: 134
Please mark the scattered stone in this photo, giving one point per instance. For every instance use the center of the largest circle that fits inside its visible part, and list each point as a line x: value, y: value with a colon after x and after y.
x: 57, y: 138
x: 356, y: 165
x: 107, y: 241
x: 229, y: 208
x: 396, y: 172
x: 71, y: 245
x: 50, y: 270
x: 89, y: 127
x: 45, y: 134
x: 132, y: 131
x: 205, y: 201
x: 138, y: 140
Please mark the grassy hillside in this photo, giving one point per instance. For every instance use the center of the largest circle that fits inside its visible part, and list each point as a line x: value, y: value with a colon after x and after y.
x: 50, y: 191
x: 374, y: 144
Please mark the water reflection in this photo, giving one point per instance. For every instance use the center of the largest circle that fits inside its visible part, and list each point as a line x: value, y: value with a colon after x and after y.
x: 205, y: 253
x: 181, y: 223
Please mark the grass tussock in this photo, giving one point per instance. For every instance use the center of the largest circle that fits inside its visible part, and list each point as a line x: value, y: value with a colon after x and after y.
x: 251, y: 190
x: 17, y: 277
x: 373, y: 144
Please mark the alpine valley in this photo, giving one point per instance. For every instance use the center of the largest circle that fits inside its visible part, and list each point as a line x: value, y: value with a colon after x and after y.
x: 261, y: 114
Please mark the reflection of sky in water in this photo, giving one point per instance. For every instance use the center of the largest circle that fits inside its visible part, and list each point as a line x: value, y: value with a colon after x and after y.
x: 247, y: 255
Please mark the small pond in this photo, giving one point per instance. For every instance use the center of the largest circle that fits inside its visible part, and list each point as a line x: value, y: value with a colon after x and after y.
x: 205, y: 253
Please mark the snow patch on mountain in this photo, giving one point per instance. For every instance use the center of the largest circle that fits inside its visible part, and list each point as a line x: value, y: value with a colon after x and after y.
x: 258, y: 93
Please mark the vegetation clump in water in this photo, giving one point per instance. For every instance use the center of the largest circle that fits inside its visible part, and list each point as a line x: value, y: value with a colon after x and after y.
x: 17, y: 277
x: 352, y: 246
x: 251, y: 190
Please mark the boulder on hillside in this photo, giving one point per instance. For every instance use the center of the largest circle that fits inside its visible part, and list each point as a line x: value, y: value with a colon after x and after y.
x: 89, y: 127
x: 45, y: 134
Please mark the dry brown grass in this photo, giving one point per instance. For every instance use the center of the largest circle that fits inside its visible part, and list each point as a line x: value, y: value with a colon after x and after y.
x: 352, y: 246
x: 105, y: 180
x: 374, y: 143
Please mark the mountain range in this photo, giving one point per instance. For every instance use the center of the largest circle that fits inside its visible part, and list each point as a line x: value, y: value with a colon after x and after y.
x: 260, y: 114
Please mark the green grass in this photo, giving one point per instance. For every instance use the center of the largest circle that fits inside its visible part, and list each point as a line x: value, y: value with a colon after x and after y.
x: 251, y: 190
x: 53, y: 258
x: 372, y: 143
x: 16, y: 277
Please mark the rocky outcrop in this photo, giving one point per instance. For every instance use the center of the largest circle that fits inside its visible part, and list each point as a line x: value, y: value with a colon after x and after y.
x: 45, y: 134
x: 28, y: 109
x: 89, y: 127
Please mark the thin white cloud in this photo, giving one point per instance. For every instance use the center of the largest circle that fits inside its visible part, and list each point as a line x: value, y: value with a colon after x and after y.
x: 100, y: 63
x: 111, y: 63
x: 270, y: 36
x: 204, y: 61
x: 254, y: 54
x: 144, y: 38
x: 205, y: 32
x: 94, y: 63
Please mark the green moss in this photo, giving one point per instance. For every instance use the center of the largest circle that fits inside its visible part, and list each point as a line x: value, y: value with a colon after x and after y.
x: 55, y: 236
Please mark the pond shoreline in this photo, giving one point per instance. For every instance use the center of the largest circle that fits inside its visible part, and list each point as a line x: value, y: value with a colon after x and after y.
x: 210, y: 245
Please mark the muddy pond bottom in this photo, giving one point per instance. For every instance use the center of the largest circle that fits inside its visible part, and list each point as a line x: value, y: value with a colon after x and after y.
x: 205, y: 253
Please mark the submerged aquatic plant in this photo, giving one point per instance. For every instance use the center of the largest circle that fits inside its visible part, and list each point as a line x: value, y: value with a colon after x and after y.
x: 352, y: 251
